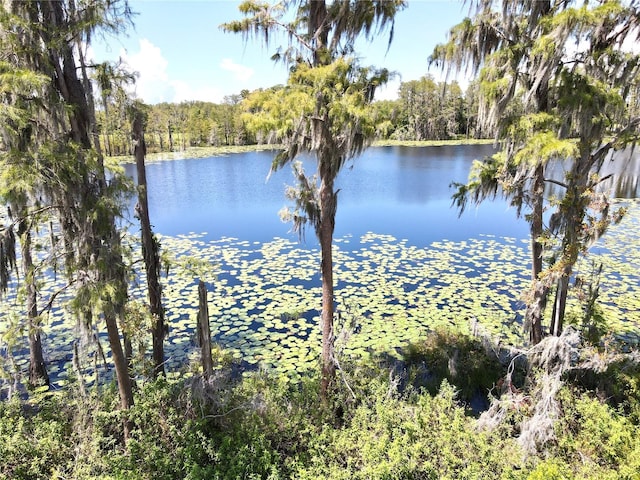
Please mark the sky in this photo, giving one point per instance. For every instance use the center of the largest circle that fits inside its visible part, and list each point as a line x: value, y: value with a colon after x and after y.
x: 180, y: 53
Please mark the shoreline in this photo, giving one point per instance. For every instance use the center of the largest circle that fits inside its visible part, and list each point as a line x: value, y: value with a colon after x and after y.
x: 203, y: 152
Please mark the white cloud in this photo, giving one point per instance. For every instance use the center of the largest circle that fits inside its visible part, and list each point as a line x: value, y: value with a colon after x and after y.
x: 154, y: 85
x: 630, y: 44
x: 240, y: 72
x: 184, y: 92
x: 389, y: 91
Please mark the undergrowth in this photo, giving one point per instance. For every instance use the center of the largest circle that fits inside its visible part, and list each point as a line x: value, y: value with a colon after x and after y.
x: 385, y: 425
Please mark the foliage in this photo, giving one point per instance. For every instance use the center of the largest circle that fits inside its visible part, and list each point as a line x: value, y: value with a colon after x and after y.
x: 264, y: 427
x: 590, y: 318
x: 442, y: 112
x: 458, y: 358
x: 422, y: 437
x: 326, y: 114
x: 55, y: 149
x: 550, y: 102
x: 34, y: 443
x: 427, y: 110
x: 599, y: 436
x: 7, y: 256
x: 176, y: 127
x: 550, y: 469
x: 337, y: 129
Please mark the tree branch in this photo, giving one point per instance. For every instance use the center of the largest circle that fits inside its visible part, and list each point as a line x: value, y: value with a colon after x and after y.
x: 556, y: 182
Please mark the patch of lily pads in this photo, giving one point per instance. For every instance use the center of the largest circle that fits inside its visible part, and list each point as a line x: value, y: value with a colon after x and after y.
x: 264, y: 299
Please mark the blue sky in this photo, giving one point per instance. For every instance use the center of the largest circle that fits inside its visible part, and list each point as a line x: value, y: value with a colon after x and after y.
x: 181, y: 54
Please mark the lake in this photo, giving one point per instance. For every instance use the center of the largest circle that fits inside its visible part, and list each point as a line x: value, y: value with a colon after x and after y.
x: 401, y: 191
x: 405, y: 263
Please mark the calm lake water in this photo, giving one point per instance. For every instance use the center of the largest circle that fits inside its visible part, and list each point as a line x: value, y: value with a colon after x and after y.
x: 400, y: 191
x: 421, y: 266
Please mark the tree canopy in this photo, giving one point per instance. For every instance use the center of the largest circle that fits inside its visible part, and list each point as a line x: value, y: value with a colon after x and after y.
x: 554, y: 83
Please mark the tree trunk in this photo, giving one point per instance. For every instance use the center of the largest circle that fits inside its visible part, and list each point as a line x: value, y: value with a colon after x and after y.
x: 149, y: 250
x: 535, y: 308
x: 122, y: 371
x: 574, y: 211
x: 128, y: 354
x: 559, y: 306
x: 318, y: 31
x: 204, y: 331
x: 107, y: 123
x: 535, y: 311
x: 568, y: 259
x: 108, y: 142
x: 325, y: 235
x: 37, y: 368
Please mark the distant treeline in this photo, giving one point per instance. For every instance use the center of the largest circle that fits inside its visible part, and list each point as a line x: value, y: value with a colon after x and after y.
x: 425, y: 110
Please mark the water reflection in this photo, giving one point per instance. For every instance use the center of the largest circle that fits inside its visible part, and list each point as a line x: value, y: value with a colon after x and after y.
x: 623, y: 168
x: 402, y: 191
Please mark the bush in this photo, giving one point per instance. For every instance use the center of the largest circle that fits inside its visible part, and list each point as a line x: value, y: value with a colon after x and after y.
x: 550, y: 469
x: 597, y: 439
x: 33, y: 438
x: 265, y: 427
x: 458, y: 358
x: 420, y: 437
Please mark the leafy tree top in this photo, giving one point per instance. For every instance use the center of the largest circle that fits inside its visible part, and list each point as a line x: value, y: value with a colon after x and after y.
x: 320, y: 109
x: 317, y: 31
x: 323, y: 107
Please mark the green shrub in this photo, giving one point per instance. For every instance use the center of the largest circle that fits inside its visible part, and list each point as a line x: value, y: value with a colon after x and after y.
x: 597, y: 439
x: 458, y: 358
x: 422, y: 437
x: 550, y: 469
x: 618, y: 381
x: 265, y: 427
x: 33, y: 439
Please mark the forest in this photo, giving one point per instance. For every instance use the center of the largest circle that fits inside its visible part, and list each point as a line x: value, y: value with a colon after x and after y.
x: 425, y: 110
x: 556, y: 82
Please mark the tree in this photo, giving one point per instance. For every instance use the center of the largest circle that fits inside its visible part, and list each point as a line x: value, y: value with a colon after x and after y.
x: 471, y: 128
x: 111, y: 80
x: 150, y: 244
x: 21, y: 93
x: 47, y: 38
x: 454, y: 114
x: 550, y: 101
x: 323, y: 110
x: 433, y: 110
x: 387, y: 113
x: 157, y: 126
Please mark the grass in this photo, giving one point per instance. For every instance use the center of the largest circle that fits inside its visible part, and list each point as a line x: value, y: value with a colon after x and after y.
x: 433, y: 143
x: 198, y: 152
x: 204, y: 152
